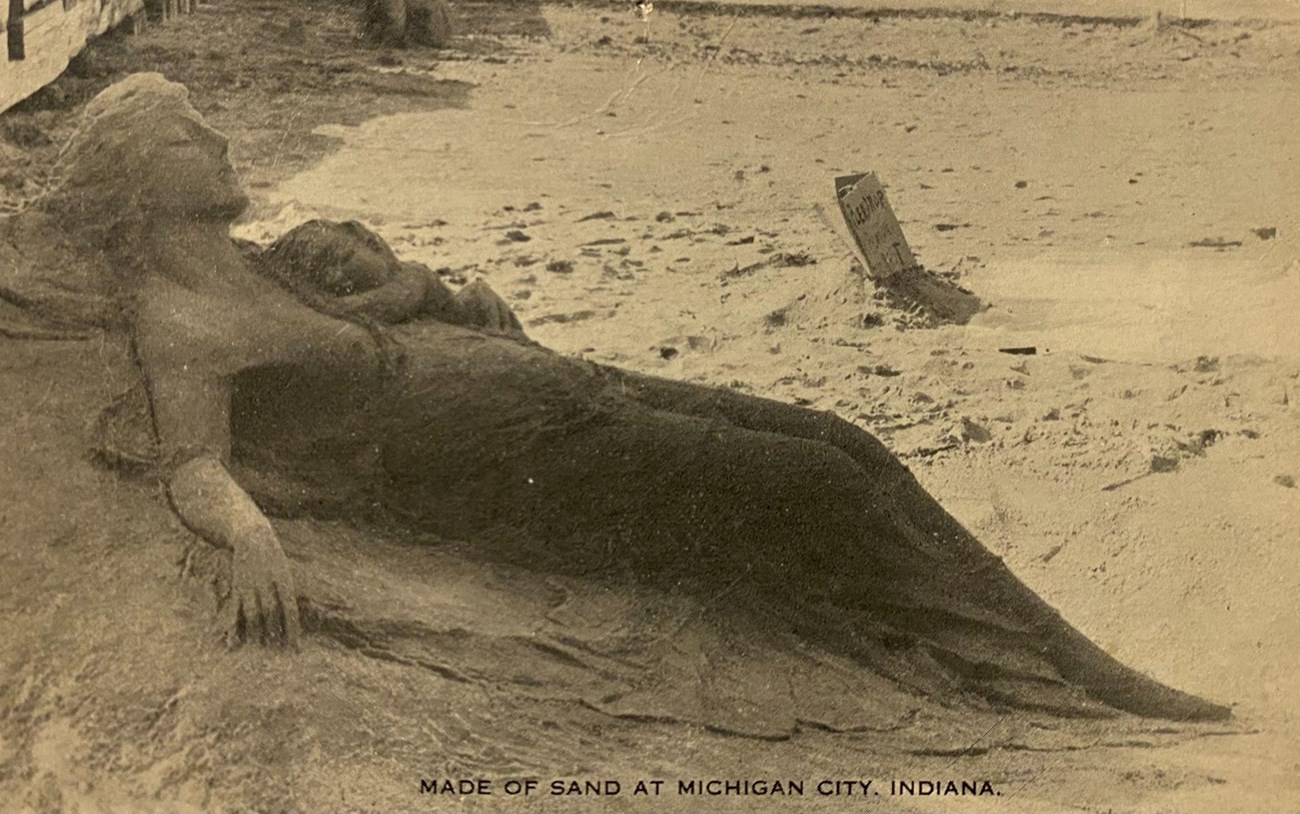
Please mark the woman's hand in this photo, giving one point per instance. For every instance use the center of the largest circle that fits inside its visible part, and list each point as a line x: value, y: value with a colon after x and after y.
x: 262, y: 605
x: 480, y: 306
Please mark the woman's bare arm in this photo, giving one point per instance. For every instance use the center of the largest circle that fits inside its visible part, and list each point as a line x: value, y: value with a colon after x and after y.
x: 263, y: 603
x: 190, y: 345
x: 191, y: 409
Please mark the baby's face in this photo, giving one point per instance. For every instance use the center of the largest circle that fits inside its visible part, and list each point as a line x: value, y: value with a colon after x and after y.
x: 333, y: 259
x: 362, y: 269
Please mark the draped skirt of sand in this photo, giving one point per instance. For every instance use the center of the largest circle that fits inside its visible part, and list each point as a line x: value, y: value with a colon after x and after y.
x: 792, y: 519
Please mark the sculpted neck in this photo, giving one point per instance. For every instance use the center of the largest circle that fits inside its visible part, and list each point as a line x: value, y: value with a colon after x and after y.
x: 196, y: 255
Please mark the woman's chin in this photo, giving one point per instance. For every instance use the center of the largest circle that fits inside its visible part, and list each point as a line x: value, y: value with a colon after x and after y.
x: 228, y: 208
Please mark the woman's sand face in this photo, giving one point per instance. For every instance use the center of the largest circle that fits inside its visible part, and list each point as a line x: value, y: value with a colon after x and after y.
x: 189, y: 175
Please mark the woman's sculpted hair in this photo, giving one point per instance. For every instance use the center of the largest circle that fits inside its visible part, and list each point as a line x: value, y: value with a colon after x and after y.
x: 100, y: 179
x: 72, y: 254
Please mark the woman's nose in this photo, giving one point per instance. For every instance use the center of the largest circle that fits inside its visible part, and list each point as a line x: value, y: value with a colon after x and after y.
x: 218, y: 144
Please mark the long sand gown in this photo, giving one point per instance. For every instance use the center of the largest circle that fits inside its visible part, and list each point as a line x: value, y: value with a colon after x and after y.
x: 564, y: 465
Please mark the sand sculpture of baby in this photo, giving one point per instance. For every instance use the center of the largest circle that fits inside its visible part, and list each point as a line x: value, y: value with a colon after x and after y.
x: 347, y: 383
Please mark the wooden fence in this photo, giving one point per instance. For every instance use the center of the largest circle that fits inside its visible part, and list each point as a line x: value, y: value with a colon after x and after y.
x: 42, y: 35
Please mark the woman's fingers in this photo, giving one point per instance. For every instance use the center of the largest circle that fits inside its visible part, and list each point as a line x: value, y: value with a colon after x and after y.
x: 274, y: 624
x: 232, y: 623
x: 282, y: 625
x: 265, y: 615
x: 254, y: 618
x: 288, y: 600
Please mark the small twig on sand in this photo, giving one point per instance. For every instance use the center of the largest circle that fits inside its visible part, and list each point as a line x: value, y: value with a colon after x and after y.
x: 1117, y: 484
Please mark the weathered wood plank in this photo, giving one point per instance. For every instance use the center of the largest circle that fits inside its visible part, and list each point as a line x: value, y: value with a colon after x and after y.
x: 52, y: 35
x: 113, y: 13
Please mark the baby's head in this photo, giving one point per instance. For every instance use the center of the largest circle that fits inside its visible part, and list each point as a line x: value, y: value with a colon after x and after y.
x: 330, y: 258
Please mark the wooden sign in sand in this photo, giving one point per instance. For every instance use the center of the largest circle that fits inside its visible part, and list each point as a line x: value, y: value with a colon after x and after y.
x: 874, y: 227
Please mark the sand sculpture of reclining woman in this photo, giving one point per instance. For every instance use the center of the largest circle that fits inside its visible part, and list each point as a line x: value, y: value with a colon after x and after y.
x: 325, y: 376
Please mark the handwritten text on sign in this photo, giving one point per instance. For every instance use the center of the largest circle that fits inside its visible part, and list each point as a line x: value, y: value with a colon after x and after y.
x: 874, y: 227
